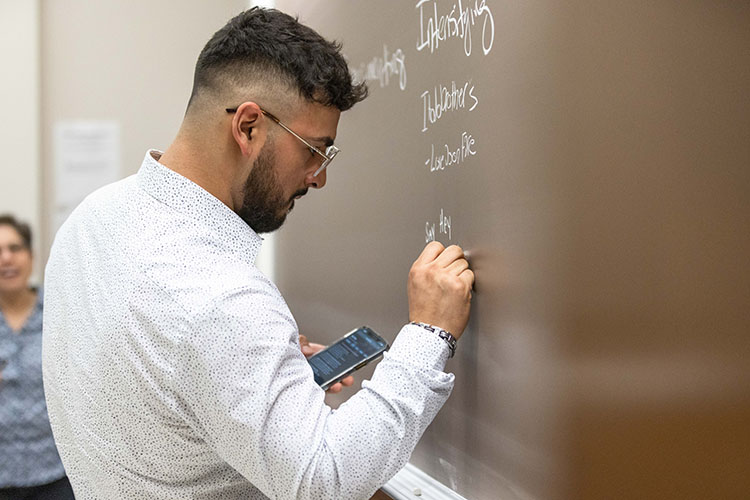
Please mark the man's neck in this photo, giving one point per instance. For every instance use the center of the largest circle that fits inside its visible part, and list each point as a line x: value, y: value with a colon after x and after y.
x: 200, y: 165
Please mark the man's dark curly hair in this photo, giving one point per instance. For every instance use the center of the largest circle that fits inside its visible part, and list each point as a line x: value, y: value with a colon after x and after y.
x: 266, y: 42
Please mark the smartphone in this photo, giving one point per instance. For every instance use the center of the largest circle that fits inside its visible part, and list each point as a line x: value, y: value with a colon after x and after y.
x: 349, y: 353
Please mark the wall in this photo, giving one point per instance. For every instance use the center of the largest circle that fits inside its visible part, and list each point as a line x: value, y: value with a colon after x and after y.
x: 19, y: 128
x: 129, y: 62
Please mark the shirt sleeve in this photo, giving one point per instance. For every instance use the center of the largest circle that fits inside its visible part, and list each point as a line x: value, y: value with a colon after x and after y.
x: 255, y: 401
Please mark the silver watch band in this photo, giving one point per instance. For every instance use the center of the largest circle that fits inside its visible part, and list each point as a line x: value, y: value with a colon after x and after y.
x: 443, y: 334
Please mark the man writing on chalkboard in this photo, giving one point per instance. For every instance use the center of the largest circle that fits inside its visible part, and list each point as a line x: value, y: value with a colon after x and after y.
x: 172, y: 365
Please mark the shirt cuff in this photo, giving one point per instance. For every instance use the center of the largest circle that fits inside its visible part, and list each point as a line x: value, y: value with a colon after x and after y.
x: 417, y: 346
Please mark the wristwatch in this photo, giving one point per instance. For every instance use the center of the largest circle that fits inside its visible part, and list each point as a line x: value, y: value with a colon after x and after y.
x: 443, y: 334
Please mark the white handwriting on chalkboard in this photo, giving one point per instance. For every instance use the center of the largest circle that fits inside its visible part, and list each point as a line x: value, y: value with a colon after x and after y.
x: 455, y: 24
x: 446, y: 99
x: 381, y: 69
x: 429, y: 230
x: 449, y: 157
x: 444, y: 227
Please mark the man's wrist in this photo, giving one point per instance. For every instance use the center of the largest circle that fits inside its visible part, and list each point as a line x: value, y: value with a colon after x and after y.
x: 443, y: 334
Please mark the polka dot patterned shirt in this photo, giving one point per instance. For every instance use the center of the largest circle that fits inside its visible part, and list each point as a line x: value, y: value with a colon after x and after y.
x: 172, y: 366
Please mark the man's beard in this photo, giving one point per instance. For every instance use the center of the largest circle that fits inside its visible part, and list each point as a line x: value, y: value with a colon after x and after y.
x: 264, y: 207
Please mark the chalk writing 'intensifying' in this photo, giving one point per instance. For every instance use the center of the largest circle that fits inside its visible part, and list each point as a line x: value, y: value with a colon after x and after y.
x: 444, y: 99
x: 456, y: 23
x: 381, y: 69
x: 448, y: 157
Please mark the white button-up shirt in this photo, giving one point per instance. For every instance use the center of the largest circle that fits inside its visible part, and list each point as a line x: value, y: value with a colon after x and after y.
x: 172, y: 366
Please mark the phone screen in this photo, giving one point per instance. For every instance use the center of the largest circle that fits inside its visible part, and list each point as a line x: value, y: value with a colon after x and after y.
x: 346, y: 355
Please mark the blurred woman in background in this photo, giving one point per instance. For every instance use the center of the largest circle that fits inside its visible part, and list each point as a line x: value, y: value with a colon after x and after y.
x: 30, y: 467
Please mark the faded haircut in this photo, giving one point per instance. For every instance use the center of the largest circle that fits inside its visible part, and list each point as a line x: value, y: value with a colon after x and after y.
x: 265, y: 48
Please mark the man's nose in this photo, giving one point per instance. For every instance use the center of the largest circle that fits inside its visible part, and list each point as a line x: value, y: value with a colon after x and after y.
x: 318, y: 181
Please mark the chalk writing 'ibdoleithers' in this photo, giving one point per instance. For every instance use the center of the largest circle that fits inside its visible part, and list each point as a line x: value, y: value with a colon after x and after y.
x: 381, y: 69
x: 444, y: 99
x: 456, y: 23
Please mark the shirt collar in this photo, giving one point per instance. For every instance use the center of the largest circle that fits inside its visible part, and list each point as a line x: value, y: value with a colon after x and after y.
x: 188, y: 198
x: 33, y: 323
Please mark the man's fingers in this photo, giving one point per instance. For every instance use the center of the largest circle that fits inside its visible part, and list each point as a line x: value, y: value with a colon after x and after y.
x: 316, y: 347
x: 430, y: 252
x: 467, y: 276
x: 310, y: 348
x: 339, y: 386
x: 458, y: 266
x: 335, y: 388
x: 449, y: 255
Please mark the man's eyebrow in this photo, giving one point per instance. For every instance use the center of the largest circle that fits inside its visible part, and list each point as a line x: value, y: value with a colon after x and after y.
x: 328, y: 141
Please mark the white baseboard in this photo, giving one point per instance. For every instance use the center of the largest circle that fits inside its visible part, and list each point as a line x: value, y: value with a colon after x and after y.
x: 413, y: 484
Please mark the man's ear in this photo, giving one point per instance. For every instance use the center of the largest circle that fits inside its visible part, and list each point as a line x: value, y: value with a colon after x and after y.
x: 249, y: 128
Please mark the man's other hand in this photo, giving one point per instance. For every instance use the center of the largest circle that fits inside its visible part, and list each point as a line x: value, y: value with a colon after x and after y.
x: 310, y: 348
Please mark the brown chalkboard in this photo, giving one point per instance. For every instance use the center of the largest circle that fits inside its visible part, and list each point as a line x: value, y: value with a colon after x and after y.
x: 594, y: 159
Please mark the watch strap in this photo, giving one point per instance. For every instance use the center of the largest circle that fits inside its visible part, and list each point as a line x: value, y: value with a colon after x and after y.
x: 443, y: 334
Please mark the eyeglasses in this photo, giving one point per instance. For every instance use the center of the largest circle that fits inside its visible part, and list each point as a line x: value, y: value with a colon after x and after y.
x: 329, y: 154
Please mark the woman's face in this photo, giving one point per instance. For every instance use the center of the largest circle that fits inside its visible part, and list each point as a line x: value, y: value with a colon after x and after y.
x: 15, y: 261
